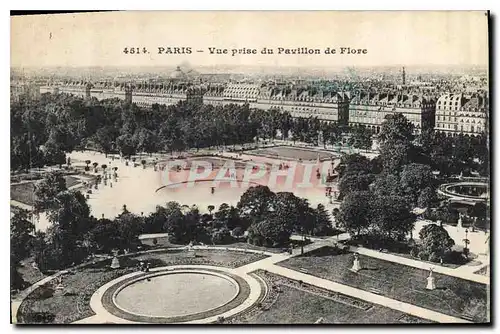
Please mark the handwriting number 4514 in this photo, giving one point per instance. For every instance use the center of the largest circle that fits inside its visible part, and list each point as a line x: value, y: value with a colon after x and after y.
x: 133, y: 51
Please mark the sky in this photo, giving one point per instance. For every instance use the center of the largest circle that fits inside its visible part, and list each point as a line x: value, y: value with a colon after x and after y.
x: 391, y: 38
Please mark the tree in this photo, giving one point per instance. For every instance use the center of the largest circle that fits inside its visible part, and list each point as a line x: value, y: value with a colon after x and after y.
x: 145, y: 140
x: 396, y: 128
x: 271, y: 232
x: 20, y: 239
x: 53, y: 154
x: 104, y: 139
x: 440, y: 157
x: 155, y: 222
x: 103, y: 237
x: 354, y: 163
x: 211, y: 208
x: 387, y: 185
x: 223, y: 213
x: 47, y: 189
x: 391, y: 217
x: 463, y: 152
x: 129, y: 227
x: 361, y: 138
x: 256, y: 202
x: 395, y: 155
x: 354, y: 213
x: 444, y: 214
x: 427, y: 197
x: 414, y: 179
x: 435, y: 241
x: 221, y: 236
x: 292, y: 210
x: 234, y: 220
x: 70, y: 221
x: 426, y: 139
x: 70, y: 218
x: 21, y: 229
x: 353, y: 182
x: 479, y: 210
x: 323, y: 224
x: 184, y: 227
x: 126, y: 145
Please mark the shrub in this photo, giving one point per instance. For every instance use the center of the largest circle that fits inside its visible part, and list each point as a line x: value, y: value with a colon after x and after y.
x: 422, y: 255
x: 222, y: 236
x: 455, y: 257
x: 434, y: 257
x: 414, y: 252
x: 237, y: 231
x: 43, y: 292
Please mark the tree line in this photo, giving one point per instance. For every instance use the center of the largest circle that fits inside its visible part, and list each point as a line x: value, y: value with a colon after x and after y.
x: 44, y: 129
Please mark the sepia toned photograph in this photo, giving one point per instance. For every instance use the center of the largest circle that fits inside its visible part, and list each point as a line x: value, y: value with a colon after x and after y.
x: 250, y: 167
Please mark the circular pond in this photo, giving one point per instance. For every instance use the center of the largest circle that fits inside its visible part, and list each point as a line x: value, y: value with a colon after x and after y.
x: 176, y: 294
x: 466, y: 190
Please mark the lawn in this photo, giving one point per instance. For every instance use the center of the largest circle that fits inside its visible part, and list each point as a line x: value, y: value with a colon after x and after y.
x: 485, y: 271
x: 30, y: 274
x: 72, y: 303
x: 296, y: 303
x: 163, y: 242
x: 71, y: 181
x: 453, y: 296
x: 24, y: 192
x: 294, y: 153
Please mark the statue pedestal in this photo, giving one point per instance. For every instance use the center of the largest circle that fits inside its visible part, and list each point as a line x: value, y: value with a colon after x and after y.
x: 431, y: 283
x: 356, y: 266
x: 115, y: 263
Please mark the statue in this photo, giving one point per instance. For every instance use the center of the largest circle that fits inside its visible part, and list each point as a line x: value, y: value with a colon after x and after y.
x: 356, y: 266
x: 431, y: 281
x: 115, y: 263
x: 59, y: 285
x: 191, y: 251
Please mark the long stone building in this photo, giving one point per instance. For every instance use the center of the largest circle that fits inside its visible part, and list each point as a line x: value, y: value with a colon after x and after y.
x: 370, y: 109
x: 461, y: 113
x: 299, y: 101
x: 451, y: 113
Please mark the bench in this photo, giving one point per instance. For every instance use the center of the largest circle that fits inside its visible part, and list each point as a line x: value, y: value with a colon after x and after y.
x: 303, y: 270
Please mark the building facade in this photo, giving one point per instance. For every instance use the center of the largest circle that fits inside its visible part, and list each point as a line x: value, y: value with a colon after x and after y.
x: 462, y: 113
x: 299, y: 101
x: 369, y: 109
